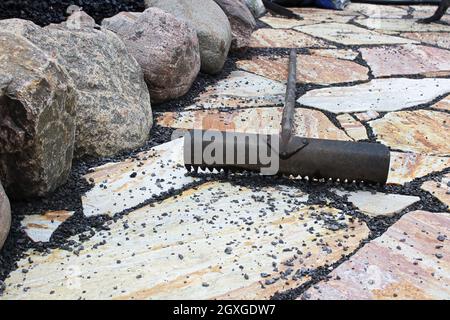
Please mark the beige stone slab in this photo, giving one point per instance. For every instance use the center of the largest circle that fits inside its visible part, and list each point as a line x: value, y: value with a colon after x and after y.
x: 377, y: 11
x: 308, y: 123
x: 444, y: 104
x: 423, y: 11
x: 281, y: 23
x: 310, y: 69
x: 440, y: 39
x: 310, y: 11
x: 215, y: 241
x: 116, y: 188
x: 348, y: 34
x: 421, y: 131
x: 366, y: 116
x: 400, y: 25
x: 241, y: 89
x: 439, y: 189
x: 376, y: 204
x: 405, y: 167
x: 401, y: 264
x: 345, y: 54
x: 377, y: 95
x: 40, y: 228
x: 354, y: 128
x: 407, y: 59
x: 279, y: 38
x: 309, y: 19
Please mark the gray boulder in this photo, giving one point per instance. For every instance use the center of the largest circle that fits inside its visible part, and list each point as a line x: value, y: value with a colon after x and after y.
x: 37, y: 118
x: 113, y: 111
x: 241, y: 20
x: 166, y: 48
x: 256, y: 7
x: 5, y: 216
x: 210, y: 22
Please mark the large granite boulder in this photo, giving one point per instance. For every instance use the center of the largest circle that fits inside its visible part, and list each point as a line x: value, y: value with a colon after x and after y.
x: 256, y: 7
x: 241, y: 20
x: 210, y: 22
x: 5, y: 216
x: 113, y: 111
x: 37, y: 118
x: 166, y: 48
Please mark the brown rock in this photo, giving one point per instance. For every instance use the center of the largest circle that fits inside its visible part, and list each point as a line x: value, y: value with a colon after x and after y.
x: 166, y: 48
x: 5, y: 216
x: 241, y: 20
x: 37, y: 119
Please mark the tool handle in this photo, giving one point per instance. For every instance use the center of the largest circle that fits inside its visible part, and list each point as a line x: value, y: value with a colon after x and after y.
x: 287, y: 120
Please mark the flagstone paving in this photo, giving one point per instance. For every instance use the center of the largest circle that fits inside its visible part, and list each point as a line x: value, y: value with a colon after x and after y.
x: 163, y: 233
x: 439, y: 189
x: 377, y: 95
x: 348, y: 34
x: 308, y: 123
x: 40, y: 228
x: 215, y: 241
x: 407, y: 166
x: 279, y: 38
x: 422, y: 131
x: 310, y: 69
x: 407, y: 59
x: 241, y: 89
x: 411, y: 260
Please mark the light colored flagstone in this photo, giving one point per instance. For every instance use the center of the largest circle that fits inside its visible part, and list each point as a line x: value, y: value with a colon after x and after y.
x: 348, y: 34
x: 281, y: 23
x: 377, y: 11
x: 310, y: 69
x: 377, y: 95
x: 346, y: 54
x: 366, y: 116
x: 308, y: 123
x: 444, y: 104
x: 405, y: 167
x: 440, y: 39
x: 378, y: 203
x: 353, y: 127
x: 305, y: 12
x: 421, y: 12
x: 407, y: 59
x: 421, y: 131
x: 124, y: 185
x: 40, y: 228
x: 215, y: 241
x: 407, y: 262
x: 309, y: 19
x: 279, y: 38
x: 241, y: 89
x: 439, y: 189
x: 403, y: 25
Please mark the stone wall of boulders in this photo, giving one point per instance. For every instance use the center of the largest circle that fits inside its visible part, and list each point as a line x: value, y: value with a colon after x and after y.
x: 78, y: 89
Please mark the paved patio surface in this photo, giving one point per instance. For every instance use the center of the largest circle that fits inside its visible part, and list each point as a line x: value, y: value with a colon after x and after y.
x: 369, y: 73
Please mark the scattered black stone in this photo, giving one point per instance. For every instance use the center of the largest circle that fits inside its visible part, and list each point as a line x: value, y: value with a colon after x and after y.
x: 44, y: 12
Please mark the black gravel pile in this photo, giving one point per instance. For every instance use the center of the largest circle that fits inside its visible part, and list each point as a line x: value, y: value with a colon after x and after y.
x: 44, y: 12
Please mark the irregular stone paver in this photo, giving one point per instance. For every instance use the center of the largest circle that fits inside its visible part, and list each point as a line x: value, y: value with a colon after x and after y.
x: 420, y: 131
x: 366, y: 116
x: 444, y: 104
x: 241, y: 89
x: 439, y: 189
x: 310, y: 69
x: 377, y: 95
x: 405, y: 167
x: 377, y: 11
x: 308, y: 123
x: 354, y: 128
x: 403, y: 25
x: 279, y: 38
x: 407, y: 59
x: 427, y: 11
x: 403, y: 263
x: 215, y: 241
x: 124, y: 185
x: 378, y: 203
x: 283, y: 23
x: 40, y: 228
x: 306, y: 12
x: 348, y: 34
x: 440, y: 39
x: 346, y: 54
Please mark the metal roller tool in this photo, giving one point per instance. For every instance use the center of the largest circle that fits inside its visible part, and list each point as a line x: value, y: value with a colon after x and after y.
x: 285, y: 153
